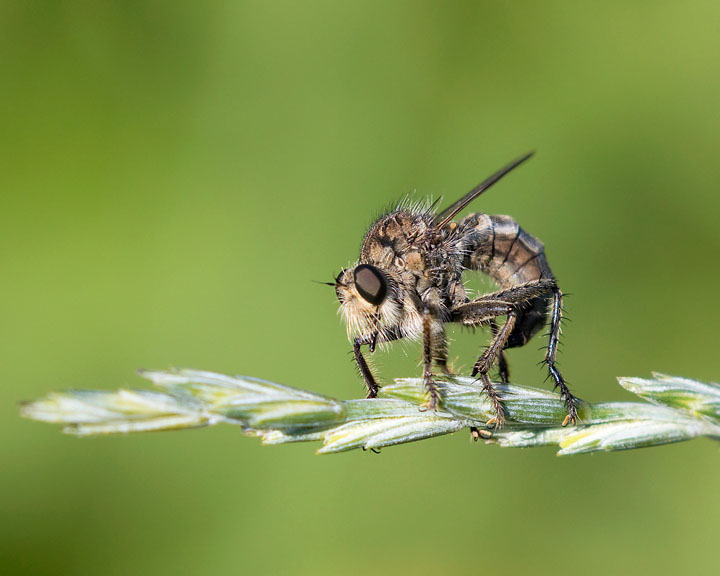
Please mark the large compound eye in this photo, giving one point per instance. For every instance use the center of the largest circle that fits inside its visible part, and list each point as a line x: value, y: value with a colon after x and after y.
x: 370, y: 284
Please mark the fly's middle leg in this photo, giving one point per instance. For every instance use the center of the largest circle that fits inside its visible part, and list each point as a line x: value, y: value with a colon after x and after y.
x: 430, y: 386
x: 483, y: 311
x: 495, y: 350
x: 504, y: 375
x: 503, y: 367
x: 485, y: 363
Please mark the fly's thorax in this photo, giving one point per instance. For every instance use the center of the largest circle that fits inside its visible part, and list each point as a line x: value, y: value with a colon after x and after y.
x: 398, y: 241
x: 407, y: 241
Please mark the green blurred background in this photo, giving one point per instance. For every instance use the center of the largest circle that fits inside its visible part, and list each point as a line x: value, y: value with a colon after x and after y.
x: 174, y: 176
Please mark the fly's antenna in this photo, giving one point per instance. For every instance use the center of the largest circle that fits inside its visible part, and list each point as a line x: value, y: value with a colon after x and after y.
x: 442, y: 219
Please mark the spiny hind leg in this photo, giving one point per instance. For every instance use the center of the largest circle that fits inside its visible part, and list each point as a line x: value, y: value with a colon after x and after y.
x: 482, y: 311
x: 485, y: 310
x: 553, y: 372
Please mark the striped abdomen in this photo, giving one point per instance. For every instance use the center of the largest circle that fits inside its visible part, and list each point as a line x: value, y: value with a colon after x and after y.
x: 498, y: 247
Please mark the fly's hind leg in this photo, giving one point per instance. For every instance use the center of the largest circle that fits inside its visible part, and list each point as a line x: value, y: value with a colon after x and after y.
x: 485, y: 310
x: 553, y: 372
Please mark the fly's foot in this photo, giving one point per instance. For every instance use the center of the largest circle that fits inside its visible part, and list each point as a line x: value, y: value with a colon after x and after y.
x: 433, y: 392
x: 372, y: 393
x: 570, y: 400
x: 572, y: 416
x: 497, y: 421
x: 430, y: 404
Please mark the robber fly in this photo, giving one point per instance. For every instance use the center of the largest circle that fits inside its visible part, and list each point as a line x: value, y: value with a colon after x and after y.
x: 408, y: 283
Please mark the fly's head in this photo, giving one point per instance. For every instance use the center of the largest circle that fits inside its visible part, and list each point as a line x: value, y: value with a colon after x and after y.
x: 370, y: 300
x: 382, y: 294
x: 379, y: 294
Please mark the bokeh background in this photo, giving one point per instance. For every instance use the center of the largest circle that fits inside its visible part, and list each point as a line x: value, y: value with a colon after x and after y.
x: 173, y: 176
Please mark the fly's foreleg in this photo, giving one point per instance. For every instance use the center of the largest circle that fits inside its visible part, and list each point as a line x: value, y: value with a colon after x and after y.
x: 371, y: 341
x: 370, y: 382
x: 554, y: 373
